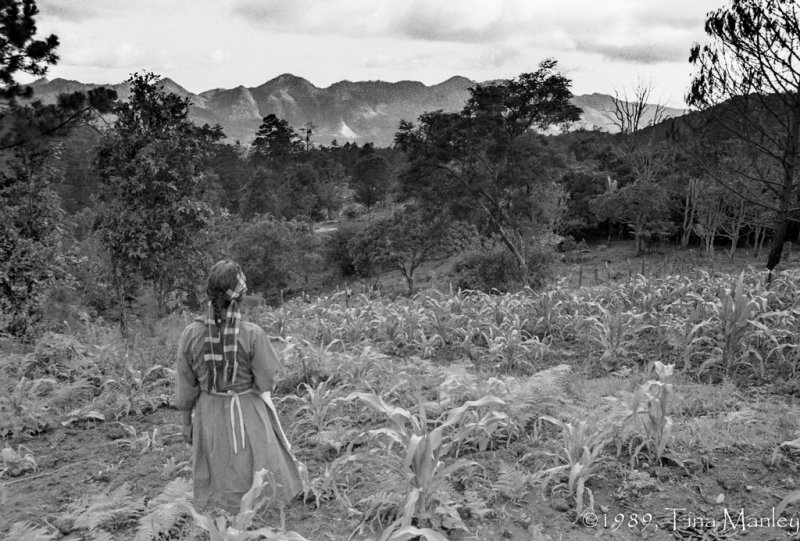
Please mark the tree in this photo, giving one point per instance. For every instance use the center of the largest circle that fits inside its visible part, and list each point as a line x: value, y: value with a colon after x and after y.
x: 276, y: 142
x: 20, y: 51
x: 486, y: 160
x: 151, y: 166
x: 405, y: 241
x: 748, y: 73
x: 370, y: 180
x: 629, y: 113
x: 31, y: 258
x: 273, y: 253
x: 642, y: 206
x: 30, y: 213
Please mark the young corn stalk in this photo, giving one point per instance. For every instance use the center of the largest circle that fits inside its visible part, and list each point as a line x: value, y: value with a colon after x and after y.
x: 416, y: 454
x: 315, y: 406
x: 649, y: 411
x: 734, y: 312
x: 17, y: 462
x: 614, y: 333
x: 582, y: 447
x: 687, y: 338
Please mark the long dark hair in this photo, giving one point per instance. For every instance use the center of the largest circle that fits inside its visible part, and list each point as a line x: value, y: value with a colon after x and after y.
x: 221, y: 278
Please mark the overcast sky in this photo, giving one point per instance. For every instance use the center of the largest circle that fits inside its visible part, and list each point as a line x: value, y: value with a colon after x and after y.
x: 602, y: 45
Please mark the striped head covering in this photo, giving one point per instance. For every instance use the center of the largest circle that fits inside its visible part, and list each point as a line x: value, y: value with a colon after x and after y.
x: 221, y: 350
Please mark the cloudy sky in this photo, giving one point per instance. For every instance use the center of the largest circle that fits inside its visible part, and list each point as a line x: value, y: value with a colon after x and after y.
x: 602, y: 45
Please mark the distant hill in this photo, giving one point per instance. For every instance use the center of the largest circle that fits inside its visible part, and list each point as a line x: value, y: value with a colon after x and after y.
x: 365, y: 111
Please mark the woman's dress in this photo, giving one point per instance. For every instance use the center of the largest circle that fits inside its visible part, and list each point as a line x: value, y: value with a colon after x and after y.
x: 234, y: 432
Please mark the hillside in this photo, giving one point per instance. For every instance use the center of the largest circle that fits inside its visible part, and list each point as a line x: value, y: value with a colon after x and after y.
x: 364, y: 111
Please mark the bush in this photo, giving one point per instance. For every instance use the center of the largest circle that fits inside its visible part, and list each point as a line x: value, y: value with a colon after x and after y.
x: 495, y: 270
x: 337, y: 254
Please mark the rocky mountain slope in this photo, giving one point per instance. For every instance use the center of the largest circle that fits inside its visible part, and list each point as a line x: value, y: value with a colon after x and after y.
x: 365, y: 111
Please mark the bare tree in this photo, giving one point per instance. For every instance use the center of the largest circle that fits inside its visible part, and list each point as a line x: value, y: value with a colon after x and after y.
x: 629, y: 113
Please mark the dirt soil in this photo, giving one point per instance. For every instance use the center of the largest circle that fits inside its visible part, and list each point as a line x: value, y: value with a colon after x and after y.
x: 730, y: 494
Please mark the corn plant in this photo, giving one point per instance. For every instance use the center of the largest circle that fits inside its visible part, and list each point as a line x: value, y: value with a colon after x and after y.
x: 687, y: 338
x: 649, y: 411
x: 146, y: 441
x: 24, y: 410
x: 416, y: 454
x: 334, y: 478
x: 733, y: 311
x: 314, y: 407
x: 17, y: 462
x: 547, y: 312
x: 511, y: 351
x: 581, y: 451
x: 136, y: 391
x: 614, y: 333
x: 173, y: 468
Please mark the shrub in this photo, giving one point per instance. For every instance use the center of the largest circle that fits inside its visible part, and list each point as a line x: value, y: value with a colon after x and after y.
x: 337, y: 255
x: 496, y: 270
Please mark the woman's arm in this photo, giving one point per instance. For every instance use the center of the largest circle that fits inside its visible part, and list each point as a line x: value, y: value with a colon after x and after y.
x: 187, y: 388
x: 265, y: 362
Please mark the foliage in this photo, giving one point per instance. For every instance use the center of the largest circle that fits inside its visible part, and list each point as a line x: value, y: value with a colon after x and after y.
x: 273, y: 253
x: 17, y: 462
x: 151, y: 167
x: 370, y: 180
x: 485, y: 161
x: 649, y: 410
x: 31, y: 258
x: 614, y: 332
x: 30, y: 244
x: 336, y: 252
x: 733, y: 312
x: 581, y: 450
x: 276, y: 142
x: 495, y: 270
x: 103, y: 513
x: 30, y: 532
x: 220, y: 528
x: 20, y: 50
x: 419, y: 459
x: 164, y: 513
x: 404, y: 241
x: 643, y: 206
x: 747, y: 73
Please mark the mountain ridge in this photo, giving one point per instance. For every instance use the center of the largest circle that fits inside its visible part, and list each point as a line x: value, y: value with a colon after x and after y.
x: 356, y: 111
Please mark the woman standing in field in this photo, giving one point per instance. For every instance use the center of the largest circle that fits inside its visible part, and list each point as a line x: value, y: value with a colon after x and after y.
x: 223, y: 367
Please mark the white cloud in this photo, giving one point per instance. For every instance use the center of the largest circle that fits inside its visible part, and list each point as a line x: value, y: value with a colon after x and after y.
x: 216, y: 56
x: 125, y: 55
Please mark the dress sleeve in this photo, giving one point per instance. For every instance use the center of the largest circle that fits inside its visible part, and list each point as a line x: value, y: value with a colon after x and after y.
x: 187, y: 387
x: 265, y: 362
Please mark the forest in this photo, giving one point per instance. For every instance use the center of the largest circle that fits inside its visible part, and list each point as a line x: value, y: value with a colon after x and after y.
x: 491, y: 397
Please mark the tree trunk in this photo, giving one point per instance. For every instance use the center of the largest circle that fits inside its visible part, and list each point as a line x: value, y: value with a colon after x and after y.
x: 787, y: 194
x: 688, y: 213
x: 119, y: 290
x: 518, y: 257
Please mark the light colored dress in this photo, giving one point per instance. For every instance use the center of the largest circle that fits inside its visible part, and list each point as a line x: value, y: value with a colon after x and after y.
x: 234, y: 433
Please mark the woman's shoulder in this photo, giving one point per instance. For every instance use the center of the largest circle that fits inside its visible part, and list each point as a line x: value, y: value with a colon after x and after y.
x: 250, y: 327
x: 195, y: 327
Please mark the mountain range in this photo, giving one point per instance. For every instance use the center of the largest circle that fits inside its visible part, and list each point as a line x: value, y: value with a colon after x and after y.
x: 365, y: 111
